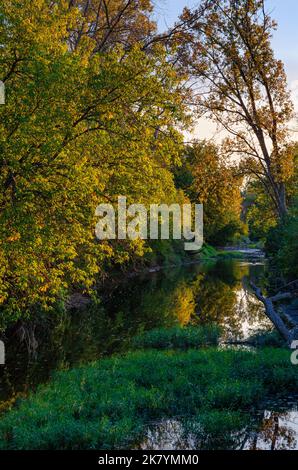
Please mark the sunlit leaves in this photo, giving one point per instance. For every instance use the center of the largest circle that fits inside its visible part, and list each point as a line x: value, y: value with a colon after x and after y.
x: 78, y: 128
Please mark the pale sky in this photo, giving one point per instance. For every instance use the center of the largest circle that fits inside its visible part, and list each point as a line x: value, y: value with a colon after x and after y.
x: 285, y: 40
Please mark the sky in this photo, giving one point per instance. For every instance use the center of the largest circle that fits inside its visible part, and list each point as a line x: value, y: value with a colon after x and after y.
x: 285, y: 39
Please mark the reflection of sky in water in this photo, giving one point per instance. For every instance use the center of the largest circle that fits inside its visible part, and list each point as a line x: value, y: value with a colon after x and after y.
x: 168, y: 435
x: 278, y: 431
x: 246, y: 303
x: 213, y: 292
x: 203, y: 293
x: 272, y: 431
x: 224, y: 297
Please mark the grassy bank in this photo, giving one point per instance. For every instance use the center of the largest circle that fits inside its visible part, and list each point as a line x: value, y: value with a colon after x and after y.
x: 178, y: 338
x: 209, y: 252
x: 110, y: 403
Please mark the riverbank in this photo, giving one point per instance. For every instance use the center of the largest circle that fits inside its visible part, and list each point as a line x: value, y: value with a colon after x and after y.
x: 206, y: 254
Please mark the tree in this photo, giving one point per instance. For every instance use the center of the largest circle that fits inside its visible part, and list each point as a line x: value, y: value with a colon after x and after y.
x: 259, y: 211
x: 208, y: 180
x: 111, y: 23
x: 260, y: 214
x: 78, y: 128
x: 242, y: 86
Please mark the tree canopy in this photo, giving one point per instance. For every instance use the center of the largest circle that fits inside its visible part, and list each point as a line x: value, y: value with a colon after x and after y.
x: 81, y: 125
x: 243, y: 87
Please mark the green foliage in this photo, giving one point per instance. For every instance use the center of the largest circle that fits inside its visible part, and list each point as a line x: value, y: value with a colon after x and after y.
x: 208, y: 251
x: 79, y: 128
x: 217, y: 428
x: 178, y: 338
x: 208, y: 180
x: 280, y: 236
x: 282, y: 247
x: 268, y: 339
x: 109, y: 404
x: 244, y: 88
x: 259, y: 211
x: 165, y: 253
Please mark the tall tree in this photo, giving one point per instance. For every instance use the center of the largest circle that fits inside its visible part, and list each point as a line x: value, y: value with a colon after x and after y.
x: 208, y: 180
x: 78, y: 128
x: 242, y: 86
x: 112, y: 22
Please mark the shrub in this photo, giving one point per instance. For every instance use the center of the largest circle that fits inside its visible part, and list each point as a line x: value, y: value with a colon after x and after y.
x: 282, y: 247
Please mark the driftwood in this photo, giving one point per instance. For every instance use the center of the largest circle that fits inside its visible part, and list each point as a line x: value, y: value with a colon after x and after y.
x: 289, y: 335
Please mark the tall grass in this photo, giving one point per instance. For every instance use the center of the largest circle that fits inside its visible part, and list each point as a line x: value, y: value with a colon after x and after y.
x: 108, y: 404
x: 178, y: 338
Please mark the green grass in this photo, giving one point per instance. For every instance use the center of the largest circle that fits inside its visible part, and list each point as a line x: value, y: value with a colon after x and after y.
x: 178, y: 338
x: 207, y: 252
x: 220, y: 430
x: 268, y: 339
x: 108, y: 404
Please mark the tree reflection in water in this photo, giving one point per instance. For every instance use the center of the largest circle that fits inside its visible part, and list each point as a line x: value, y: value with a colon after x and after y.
x: 216, y: 292
x: 199, y: 294
x: 271, y: 431
x: 278, y: 431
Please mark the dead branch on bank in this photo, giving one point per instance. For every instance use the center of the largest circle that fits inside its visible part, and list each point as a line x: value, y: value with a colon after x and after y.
x: 288, y: 334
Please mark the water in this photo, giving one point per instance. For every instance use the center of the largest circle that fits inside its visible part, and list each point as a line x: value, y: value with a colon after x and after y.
x: 272, y: 430
x: 274, y: 427
x: 213, y: 292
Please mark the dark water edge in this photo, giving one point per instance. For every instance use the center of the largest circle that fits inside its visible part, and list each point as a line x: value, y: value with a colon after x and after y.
x: 214, y: 292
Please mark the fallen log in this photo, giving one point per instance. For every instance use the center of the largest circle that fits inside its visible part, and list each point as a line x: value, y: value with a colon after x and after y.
x: 289, y: 335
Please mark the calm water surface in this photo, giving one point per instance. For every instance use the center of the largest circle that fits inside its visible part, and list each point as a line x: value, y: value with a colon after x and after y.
x: 213, y: 292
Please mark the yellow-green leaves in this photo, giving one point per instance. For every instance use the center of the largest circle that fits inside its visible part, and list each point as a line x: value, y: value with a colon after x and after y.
x: 79, y: 127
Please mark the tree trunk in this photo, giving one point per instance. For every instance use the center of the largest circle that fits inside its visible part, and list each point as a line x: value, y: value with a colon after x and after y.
x: 282, y: 201
x: 274, y: 316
